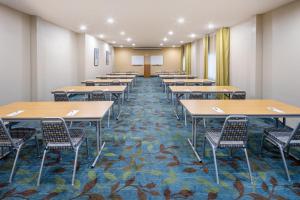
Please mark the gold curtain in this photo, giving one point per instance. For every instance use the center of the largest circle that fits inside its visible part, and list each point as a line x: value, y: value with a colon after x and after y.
x: 205, y: 54
x: 181, y: 61
x: 187, y: 58
x: 222, y: 56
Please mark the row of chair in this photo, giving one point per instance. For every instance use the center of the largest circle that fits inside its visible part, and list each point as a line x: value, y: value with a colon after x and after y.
x: 97, y: 95
x: 234, y: 135
x: 56, y: 136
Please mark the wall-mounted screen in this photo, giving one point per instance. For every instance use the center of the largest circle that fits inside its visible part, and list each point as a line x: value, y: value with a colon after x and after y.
x: 157, y: 60
x: 137, y: 60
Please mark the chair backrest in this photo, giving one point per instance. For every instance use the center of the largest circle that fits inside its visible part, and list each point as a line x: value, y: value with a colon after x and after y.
x: 116, y: 82
x: 55, y: 131
x: 97, y: 95
x: 179, y: 83
x: 235, y: 129
x: 196, y: 96
x: 239, y: 95
x: 90, y: 83
x: 4, y: 135
x: 207, y: 84
x: 60, y: 96
x: 295, y: 135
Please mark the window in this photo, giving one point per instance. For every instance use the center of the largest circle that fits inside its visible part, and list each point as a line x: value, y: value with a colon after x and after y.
x: 212, y: 57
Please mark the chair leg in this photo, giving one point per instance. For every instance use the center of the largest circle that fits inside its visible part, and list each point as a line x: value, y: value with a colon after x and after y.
x: 37, y: 146
x: 75, y: 165
x: 284, y: 163
x: 204, y: 143
x: 262, y: 144
x: 87, y: 147
x: 249, y: 166
x: 15, y: 162
x: 216, y: 166
x: 41, y: 168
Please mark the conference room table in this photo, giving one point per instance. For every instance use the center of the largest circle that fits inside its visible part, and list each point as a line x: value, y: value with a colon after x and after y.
x: 258, y: 108
x: 124, y: 73
x: 117, y: 91
x: 118, y: 77
x: 168, y: 82
x: 70, y: 111
x: 128, y: 82
x: 177, y: 76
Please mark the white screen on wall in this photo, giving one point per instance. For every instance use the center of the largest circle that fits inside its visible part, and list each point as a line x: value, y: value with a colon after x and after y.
x: 157, y: 60
x: 137, y: 60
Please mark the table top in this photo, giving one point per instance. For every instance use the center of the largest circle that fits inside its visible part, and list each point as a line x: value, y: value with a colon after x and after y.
x: 117, y: 76
x: 123, y: 73
x: 203, y: 89
x: 177, y: 76
x: 83, y: 89
x: 257, y: 108
x: 195, y: 80
x: 44, y: 109
x: 108, y: 80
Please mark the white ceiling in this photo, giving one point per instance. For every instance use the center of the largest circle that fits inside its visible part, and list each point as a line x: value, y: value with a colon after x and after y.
x: 147, y: 22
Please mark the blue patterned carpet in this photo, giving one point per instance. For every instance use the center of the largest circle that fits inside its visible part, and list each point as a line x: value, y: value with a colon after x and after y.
x: 147, y: 156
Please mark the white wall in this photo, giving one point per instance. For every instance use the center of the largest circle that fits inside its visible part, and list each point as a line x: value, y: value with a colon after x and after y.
x: 90, y: 70
x: 56, y: 59
x: 281, y: 54
x: 245, y: 59
x: 14, y: 56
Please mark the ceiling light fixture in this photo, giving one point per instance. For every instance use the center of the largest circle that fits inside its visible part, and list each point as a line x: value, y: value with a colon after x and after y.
x: 122, y: 33
x: 114, y: 42
x: 161, y: 44
x: 128, y: 39
x: 211, y: 26
x: 133, y: 44
x: 165, y: 39
x: 173, y: 46
x: 181, y: 42
x: 121, y: 46
x: 110, y: 20
x: 101, y: 36
x: 180, y: 20
x: 83, y: 27
x: 170, y: 32
x: 193, y: 35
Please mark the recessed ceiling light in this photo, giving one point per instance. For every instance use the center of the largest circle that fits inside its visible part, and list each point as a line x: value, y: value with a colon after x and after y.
x: 128, y: 39
x: 110, y: 20
x: 181, y: 42
x: 121, y: 46
x: 122, y: 33
x: 170, y: 32
x: 161, y: 44
x: 180, y: 20
x: 211, y: 26
x: 114, y: 42
x: 193, y: 35
x: 101, y: 36
x: 83, y: 27
x: 133, y: 44
x: 173, y: 46
x: 165, y: 39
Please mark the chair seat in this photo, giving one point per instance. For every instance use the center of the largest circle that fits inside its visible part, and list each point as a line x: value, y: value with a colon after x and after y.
x: 214, y: 136
x: 19, y: 136
x: 77, y: 136
x: 281, y: 136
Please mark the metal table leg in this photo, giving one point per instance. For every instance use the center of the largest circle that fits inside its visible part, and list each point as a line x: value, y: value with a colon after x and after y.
x: 193, y: 141
x: 99, y: 142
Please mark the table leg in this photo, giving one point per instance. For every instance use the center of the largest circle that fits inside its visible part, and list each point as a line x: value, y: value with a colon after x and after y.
x: 99, y: 142
x: 193, y: 141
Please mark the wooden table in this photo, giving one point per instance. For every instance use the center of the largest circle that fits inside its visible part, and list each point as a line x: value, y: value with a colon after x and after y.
x: 86, y: 111
x: 118, y: 77
x: 177, y: 76
x: 223, y: 108
x: 168, y: 82
x: 128, y: 82
x: 124, y: 73
x: 118, y: 91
